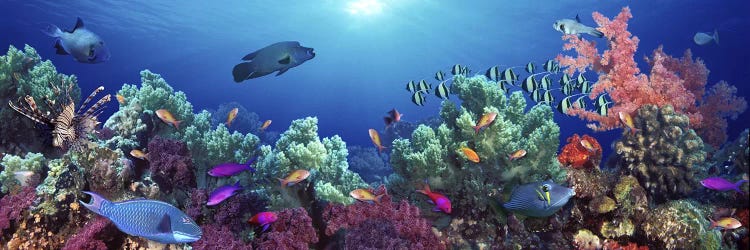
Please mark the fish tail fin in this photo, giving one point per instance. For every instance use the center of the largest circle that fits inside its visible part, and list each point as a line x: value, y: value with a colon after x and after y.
x: 378, y: 198
x: 716, y: 36
x: 145, y: 157
x: 96, y: 203
x: 596, y: 33
x: 476, y: 129
x: 380, y: 148
x: 425, y: 190
x: 242, y: 71
x: 283, y: 182
x: 713, y: 224
x: 52, y: 30
x: 177, y: 124
x: 738, y: 185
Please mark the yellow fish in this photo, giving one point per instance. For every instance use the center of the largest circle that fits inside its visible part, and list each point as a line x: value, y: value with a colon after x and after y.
x: 167, y: 118
x: 627, y: 120
x: 295, y: 177
x: 120, y: 99
x: 517, y: 155
x: 588, y: 146
x: 365, y: 195
x: 139, y: 154
x: 470, y: 154
x: 265, y: 125
x: 375, y: 137
x: 230, y: 117
x: 725, y: 223
x: 485, y: 121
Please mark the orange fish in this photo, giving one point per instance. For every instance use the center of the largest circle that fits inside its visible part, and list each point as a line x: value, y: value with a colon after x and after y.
x: 469, y: 153
x: 485, y: 121
x: 120, y: 99
x: 375, y: 137
x: 230, y: 117
x: 139, y: 154
x: 588, y: 146
x: 393, y: 117
x: 265, y: 125
x: 725, y: 223
x: 517, y: 155
x: 167, y: 118
x: 295, y: 177
x: 365, y: 195
x: 627, y: 121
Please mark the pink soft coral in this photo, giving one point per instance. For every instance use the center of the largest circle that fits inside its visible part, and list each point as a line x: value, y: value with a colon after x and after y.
x: 720, y: 103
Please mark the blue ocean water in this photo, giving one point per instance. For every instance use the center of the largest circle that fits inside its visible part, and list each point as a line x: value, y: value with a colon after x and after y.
x: 364, y: 57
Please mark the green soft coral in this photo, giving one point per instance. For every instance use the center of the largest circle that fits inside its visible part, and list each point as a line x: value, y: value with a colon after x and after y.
x: 300, y: 148
x: 11, y: 163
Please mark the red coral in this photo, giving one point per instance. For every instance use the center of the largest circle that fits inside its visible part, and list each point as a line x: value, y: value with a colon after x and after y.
x: 91, y: 235
x: 575, y: 155
x: 292, y: 230
x: 219, y: 237
x: 614, y: 245
x: 12, y: 206
x: 397, y: 225
x: 720, y: 103
x: 170, y: 164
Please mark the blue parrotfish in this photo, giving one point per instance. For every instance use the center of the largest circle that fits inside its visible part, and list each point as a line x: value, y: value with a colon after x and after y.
x: 539, y: 199
x: 280, y: 56
x: 85, y: 46
x: 151, y: 219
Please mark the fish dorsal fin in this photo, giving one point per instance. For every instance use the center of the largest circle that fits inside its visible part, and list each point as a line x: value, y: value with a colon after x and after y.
x: 250, y: 56
x: 286, y: 59
x: 79, y: 24
x: 578, y: 19
x: 165, y: 224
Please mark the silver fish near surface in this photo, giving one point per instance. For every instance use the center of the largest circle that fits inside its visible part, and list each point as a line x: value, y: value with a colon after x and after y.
x: 151, y: 219
x: 539, y: 199
x: 85, y: 46
x: 575, y: 27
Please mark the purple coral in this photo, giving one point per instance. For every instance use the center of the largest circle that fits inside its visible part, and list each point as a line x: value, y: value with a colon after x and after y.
x: 194, y: 206
x: 397, y: 225
x: 91, y: 235
x: 13, y: 205
x: 170, y: 164
x: 231, y: 211
x: 292, y: 230
x: 219, y: 237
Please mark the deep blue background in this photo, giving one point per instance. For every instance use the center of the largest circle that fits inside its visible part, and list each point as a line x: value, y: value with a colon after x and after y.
x: 363, y: 61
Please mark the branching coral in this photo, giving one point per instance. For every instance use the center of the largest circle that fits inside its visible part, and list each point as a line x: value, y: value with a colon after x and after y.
x: 219, y: 237
x: 170, y: 164
x: 91, y: 235
x: 14, y: 205
x: 292, y: 230
x: 11, y: 164
x: 662, y: 153
x: 366, y: 161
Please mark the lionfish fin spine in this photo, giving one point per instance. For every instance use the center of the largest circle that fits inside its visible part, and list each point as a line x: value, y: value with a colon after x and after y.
x: 24, y: 112
x: 96, y: 105
x: 88, y: 99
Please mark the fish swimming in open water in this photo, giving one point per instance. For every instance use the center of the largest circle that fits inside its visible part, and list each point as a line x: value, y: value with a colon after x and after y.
x: 280, y: 56
x: 151, y: 219
x: 703, y: 38
x: 575, y: 27
x: 85, y: 46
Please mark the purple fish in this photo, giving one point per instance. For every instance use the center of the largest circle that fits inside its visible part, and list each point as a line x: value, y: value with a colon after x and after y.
x: 229, y: 169
x: 222, y: 193
x: 720, y: 184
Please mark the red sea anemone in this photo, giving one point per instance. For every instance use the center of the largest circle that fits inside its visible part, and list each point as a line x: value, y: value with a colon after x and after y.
x: 575, y: 155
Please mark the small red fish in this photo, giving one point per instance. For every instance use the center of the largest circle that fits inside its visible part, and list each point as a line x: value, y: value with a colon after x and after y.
x: 375, y: 137
x: 441, y: 202
x: 263, y: 219
x: 393, y: 117
x: 517, y: 155
x: 470, y: 154
x: 265, y: 125
x: 231, y: 116
x: 485, y: 121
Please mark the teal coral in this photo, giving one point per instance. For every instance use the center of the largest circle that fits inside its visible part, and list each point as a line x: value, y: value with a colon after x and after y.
x: 33, y: 162
x: 300, y: 148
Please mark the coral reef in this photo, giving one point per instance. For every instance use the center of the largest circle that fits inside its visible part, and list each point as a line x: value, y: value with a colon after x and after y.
x: 575, y: 155
x: 92, y: 234
x: 680, y: 225
x: 219, y: 237
x: 170, y: 164
x: 663, y: 153
x: 14, y: 205
x: 292, y: 230
x: 397, y: 225
x: 366, y: 161
x: 31, y: 162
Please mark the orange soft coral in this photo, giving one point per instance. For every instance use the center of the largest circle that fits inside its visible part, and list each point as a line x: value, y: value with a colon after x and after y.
x: 575, y: 155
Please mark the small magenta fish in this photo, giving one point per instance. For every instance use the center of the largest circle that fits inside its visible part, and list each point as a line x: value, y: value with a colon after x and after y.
x: 222, y: 193
x: 231, y: 116
x: 441, y: 202
x: 721, y: 184
x: 295, y: 177
x: 229, y: 169
x: 263, y: 219
x: 167, y: 118
x: 365, y: 195
x: 485, y: 121
x: 375, y: 137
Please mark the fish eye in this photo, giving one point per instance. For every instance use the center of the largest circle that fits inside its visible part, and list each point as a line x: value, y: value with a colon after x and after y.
x: 545, y: 187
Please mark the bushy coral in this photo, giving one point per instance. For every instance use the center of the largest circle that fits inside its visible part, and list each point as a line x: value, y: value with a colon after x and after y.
x: 24, y: 73
x: 575, y: 155
x: 219, y: 237
x: 300, y: 148
x: 292, y: 230
x: 33, y: 162
x: 397, y: 225
x: 92, y: 234
x: 14, y: 205
x: 171, y: 164
x: 234, y: 212
x: 368, y: 163
x: 64, y: 182
x: 663, y: 153
x: 680, y: 225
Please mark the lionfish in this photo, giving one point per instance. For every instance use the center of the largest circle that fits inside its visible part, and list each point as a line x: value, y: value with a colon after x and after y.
x: 70, y: 128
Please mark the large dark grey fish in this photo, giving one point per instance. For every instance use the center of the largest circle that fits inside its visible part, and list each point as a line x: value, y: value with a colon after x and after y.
x: 81, y: 43
x: 150, y: 219
x: 538, y: 199
x: 575, y: 27
x: 280, y: 56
